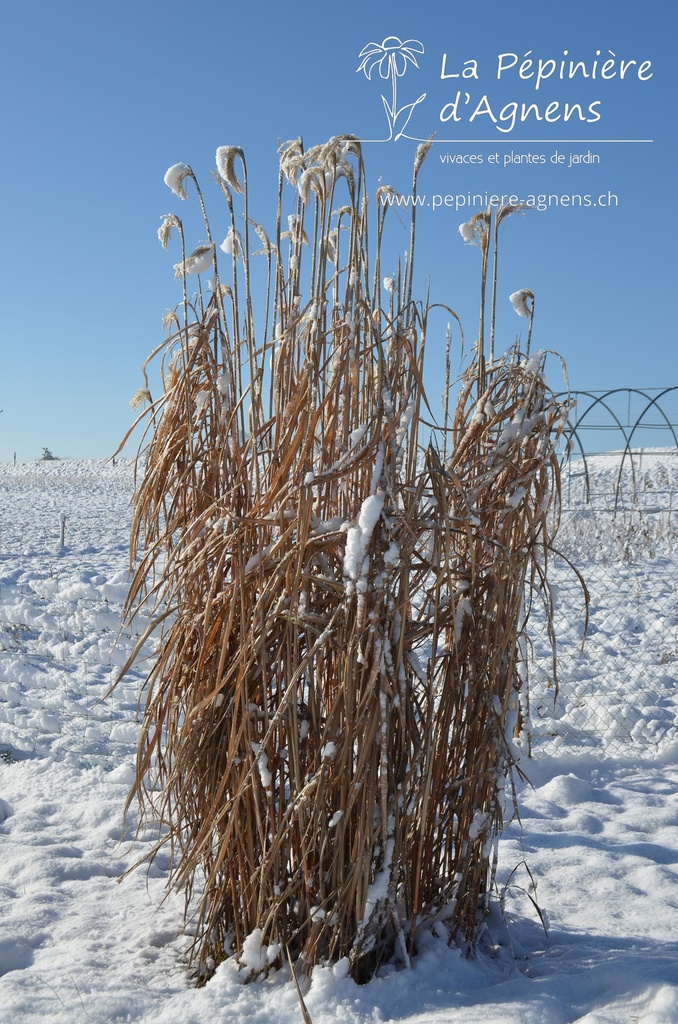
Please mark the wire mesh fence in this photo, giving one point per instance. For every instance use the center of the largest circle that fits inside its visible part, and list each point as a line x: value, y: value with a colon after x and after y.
x: 613, y: 685
x: 616, y: 691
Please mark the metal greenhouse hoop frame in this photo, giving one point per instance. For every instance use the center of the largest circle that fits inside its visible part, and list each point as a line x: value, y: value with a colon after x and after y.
x: 606, y: 400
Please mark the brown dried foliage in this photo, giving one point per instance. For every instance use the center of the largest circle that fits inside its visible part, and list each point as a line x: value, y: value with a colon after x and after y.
x: 327, y: 730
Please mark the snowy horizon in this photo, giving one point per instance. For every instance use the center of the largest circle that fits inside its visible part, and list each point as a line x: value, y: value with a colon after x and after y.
x: 83, y: 937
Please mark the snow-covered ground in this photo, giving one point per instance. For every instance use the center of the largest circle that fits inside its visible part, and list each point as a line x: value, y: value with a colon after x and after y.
x: 81, y: 940
x: 617, y: 692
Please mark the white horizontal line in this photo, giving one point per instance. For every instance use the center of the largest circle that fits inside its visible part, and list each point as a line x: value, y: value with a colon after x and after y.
x: 540, y: 142
x: 547, y: 142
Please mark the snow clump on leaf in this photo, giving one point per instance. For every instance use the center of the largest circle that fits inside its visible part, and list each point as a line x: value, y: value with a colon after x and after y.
x: 519, y: 301
x: 174, y: 178
x: 200, y: 260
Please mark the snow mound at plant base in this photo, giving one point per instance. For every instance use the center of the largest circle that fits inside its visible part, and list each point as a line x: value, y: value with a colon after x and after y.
x: 83, y: 940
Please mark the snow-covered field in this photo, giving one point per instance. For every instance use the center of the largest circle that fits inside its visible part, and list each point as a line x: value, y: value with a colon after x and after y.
x: 81, y: 940
x: 618, y: 691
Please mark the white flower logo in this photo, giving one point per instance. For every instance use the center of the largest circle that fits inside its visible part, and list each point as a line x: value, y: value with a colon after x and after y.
x: 392, y: 57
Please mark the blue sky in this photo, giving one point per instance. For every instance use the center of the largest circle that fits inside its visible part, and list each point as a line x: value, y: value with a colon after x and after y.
x: 100, y: 99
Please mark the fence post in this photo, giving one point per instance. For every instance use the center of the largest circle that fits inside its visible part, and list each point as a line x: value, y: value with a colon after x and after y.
x: 63, y: 529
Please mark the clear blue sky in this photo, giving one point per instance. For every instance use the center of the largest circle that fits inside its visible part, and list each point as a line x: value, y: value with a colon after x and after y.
x: 100, y: 99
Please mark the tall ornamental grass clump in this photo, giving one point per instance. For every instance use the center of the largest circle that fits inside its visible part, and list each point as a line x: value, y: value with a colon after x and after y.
x: 339, y: 591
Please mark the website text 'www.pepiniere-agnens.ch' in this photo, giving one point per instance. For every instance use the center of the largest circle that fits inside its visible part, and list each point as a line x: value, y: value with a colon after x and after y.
x: 481, y: 200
